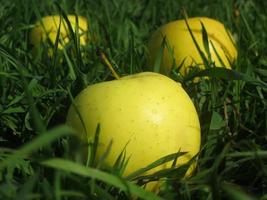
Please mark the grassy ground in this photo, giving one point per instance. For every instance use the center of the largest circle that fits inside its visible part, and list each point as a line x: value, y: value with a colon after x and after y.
x: 35, y: 94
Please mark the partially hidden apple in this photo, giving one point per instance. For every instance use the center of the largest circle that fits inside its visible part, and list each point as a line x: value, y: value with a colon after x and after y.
x: 47, y: 29
x: 181, y: 50
x: 148, y: 113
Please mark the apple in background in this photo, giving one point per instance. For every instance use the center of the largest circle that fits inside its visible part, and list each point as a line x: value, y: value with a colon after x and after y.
x: 147, y: 112
x: 47, y: 28
x: 184, y: 50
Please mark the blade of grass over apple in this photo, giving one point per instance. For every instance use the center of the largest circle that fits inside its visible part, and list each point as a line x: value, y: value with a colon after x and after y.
x: 170, y: 50
x: 78, y: 113
x: 55, y: 48
x: 158, y: 61
x: 205, y: 40
x: 93, y: 148
x: 74, y: 37
x: 71, y: 33
x: 172, y: 173
x: 72, y: 167
x: 201, y: 53
x: 72, y: 66
x: 218, y: 56
x: 158, y: 162
x: 121, y: 162
x: 179, y: 77
x: 104, y: 155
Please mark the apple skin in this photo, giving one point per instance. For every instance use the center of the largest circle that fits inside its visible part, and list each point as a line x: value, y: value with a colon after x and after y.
x: 48, y: 27
x: 147, y: 112
x: 179, y: 39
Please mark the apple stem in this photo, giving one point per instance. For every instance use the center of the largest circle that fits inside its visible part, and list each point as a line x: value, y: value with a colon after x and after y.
x: 108, y: 64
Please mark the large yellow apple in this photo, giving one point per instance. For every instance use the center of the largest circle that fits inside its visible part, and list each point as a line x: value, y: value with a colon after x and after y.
x: 48, y: 27
x: 182, y: 50
x: 147, y: 112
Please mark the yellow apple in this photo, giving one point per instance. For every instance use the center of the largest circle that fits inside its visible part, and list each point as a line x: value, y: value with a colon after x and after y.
x: 149, y: 113
x: 185, y: 52
x: 48, y: 27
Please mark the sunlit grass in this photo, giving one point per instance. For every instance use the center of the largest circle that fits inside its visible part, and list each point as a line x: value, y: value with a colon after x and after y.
x: 37, y: 152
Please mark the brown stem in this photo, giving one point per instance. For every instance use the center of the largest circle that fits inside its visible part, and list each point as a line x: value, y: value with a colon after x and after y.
x: 108, y: 64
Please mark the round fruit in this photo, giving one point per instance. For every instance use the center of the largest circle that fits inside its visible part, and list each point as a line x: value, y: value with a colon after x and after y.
x: 48, y: 27
x: 181, y: 49
x: 148, y: 113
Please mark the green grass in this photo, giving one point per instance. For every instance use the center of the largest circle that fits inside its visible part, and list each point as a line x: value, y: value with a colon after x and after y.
x: 36, y: 147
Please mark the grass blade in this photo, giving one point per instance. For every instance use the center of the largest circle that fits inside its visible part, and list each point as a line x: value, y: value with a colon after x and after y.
x: 228, y: 74
x: 205, y: 39
x: 235, y: 193
x: 158, y: 162
x: 201, y: 53
x: 39, y: 142
x: 7, y: 54
x: 72, y: 167
x: 158, y: 61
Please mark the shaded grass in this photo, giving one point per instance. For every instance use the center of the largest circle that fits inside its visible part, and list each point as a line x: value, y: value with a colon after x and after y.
x: 34, y: 97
